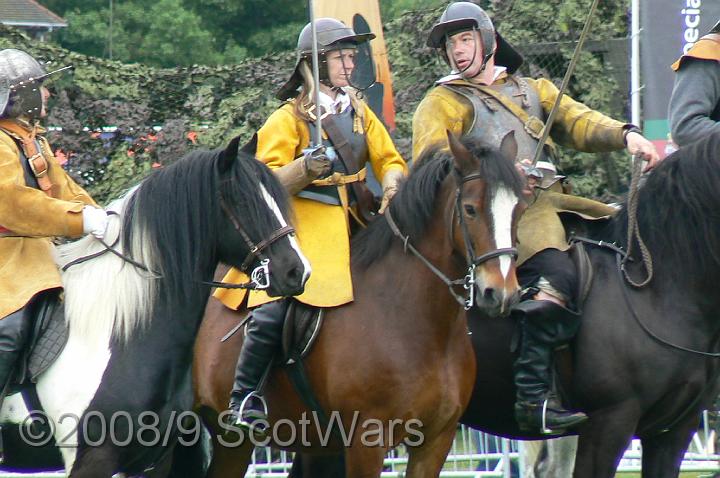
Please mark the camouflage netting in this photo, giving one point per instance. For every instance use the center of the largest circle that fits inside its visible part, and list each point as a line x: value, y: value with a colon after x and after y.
x: 220, y: 102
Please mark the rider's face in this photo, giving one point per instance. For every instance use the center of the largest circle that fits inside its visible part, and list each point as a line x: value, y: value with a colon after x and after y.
x: 45, y: 93
x: 465, y: 52
x: 340, y: 64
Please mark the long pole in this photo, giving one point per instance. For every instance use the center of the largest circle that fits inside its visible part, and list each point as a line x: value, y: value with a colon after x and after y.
x: 635, y: 86
x: 317, y: 139
x: 566, y: 80
x: 110, y: 32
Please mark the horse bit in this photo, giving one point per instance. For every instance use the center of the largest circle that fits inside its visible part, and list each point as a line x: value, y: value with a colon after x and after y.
x: 468, y: 281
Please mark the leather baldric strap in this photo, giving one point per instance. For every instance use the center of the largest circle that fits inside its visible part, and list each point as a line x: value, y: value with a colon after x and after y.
x: 33, y: 152
x: 366, y: 207
x: 37, y: 163
x: 532, y: 124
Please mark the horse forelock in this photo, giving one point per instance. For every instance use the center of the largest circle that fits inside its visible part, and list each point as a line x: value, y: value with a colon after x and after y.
x: 243, y: 190
x: 415, y: 201
x: 679, y: 212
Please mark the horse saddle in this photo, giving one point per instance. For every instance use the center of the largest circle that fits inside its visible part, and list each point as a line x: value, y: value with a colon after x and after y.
x: 579, y: 226
x: 302, y: 326
x: 48, y: 338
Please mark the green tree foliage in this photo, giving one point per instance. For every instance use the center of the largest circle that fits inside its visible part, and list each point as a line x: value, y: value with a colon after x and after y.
x: 169, y: 33
x: 220, y: 102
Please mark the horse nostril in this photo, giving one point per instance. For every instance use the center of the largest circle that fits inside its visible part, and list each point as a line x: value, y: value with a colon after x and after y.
x: 294, y: 274
x: 489, y: 293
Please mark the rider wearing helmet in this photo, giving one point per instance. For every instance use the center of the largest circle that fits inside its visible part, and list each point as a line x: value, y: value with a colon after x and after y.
x: 694, y: 109
x: 326, y: 185
x: 38, y: 201
x: 483, y: 98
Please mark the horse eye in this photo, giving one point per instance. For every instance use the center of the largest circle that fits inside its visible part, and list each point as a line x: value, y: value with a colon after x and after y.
x: 470, y: 210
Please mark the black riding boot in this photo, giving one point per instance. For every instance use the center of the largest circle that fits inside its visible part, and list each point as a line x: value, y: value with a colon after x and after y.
x: 261, y: 343
x: 545, y: 325
x: 14, y: 330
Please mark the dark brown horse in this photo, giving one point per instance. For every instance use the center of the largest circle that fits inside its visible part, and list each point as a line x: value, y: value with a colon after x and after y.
x: 646, y: 360
x: 400, y: 352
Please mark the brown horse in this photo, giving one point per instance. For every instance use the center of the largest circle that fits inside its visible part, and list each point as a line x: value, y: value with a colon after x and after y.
x: 646, y: 360
x: 400, y: 352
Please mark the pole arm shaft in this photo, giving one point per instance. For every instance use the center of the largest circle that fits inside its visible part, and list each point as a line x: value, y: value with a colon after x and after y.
x: 317, y: 139
x: 563, y: 87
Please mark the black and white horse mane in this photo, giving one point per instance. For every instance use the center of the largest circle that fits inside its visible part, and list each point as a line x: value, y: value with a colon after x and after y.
x: 169, y: 223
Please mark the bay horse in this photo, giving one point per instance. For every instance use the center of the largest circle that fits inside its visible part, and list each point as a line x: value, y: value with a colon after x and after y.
x: 399, y: 355
x: 117, y: 392
x: 646, y: 360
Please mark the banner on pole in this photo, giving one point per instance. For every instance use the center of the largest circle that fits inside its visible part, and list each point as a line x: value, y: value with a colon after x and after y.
x: 364, y: 16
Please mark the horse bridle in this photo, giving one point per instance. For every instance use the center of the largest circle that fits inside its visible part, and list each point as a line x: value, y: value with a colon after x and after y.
x: 259, y: 277
x: 468, y: 281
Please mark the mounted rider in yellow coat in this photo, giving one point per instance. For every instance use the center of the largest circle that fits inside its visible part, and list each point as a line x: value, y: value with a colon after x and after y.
x: 38, y: 201
x: 327, y: 185
x: 484, y: 99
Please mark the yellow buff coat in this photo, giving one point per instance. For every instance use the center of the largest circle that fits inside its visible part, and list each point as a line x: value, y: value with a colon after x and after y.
x: 576, y: 126
x: 26, y: 262
x: 322, y: 229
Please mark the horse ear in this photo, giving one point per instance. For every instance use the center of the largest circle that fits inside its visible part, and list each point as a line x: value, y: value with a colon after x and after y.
x: 229, y: 155
x: 509, y: 146
x: 463, y: 158
x: 250, y: 147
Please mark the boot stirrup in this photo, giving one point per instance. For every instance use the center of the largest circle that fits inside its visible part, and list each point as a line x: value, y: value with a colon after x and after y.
x: 243, y: 404
x: 544, y: 429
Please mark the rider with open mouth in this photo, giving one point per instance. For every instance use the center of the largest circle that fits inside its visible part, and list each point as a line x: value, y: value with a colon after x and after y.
x: 483, y: 98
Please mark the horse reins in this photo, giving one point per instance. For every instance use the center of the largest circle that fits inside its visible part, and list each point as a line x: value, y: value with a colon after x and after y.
x: 633, y: 230
x: 259, y: 277
x: 468, y: 281
x: 621, y: 258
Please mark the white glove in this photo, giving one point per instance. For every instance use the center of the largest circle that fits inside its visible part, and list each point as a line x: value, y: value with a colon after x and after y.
x: 95, y: 221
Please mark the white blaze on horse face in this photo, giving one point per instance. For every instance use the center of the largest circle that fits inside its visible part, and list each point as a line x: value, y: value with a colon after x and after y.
x: 502, y: 207
x: 293, y: 242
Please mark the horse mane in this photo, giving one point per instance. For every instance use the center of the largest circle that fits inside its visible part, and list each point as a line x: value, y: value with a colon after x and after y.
x: 414, y: 203
x: 679, y: 212
x: 169, y: 224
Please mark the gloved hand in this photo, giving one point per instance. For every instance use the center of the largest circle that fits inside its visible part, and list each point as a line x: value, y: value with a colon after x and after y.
x: 95, y: 221
x: 390, y: 186
x: 316, y: 163
x: 532, y: 175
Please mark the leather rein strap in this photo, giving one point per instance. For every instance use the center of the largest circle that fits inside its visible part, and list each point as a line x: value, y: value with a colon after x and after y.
x: 468, y: 282
x: 621, y: 258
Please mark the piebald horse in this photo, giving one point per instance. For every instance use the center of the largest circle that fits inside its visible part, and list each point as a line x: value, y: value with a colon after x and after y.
x: 121, y: 387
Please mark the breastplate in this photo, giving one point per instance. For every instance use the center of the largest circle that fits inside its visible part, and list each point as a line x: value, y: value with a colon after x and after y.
x: 492, y: 121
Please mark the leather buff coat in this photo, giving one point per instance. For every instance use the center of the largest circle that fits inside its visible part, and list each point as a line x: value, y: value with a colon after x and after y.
x: 576, y: 126
x: 27, y: 265
x: 322, y: 229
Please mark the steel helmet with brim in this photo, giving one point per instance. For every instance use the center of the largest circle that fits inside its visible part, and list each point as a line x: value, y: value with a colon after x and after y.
x: 332, y: 35
x: 21, y: 78
x: 464, y: 16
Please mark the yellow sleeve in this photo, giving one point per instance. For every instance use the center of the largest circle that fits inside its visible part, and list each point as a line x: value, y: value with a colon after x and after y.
x: 440, y: 111
x: 30, y: 212
x: 383, y: 155
x: 577, y: 126
x: 282, y: 138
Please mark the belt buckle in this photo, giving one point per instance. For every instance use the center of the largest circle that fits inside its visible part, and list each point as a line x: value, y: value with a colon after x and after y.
x: 31, y: 162
x: 534, y: 126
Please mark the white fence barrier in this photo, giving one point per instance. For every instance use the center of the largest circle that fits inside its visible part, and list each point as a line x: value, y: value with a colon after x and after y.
x: 474, y: 455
